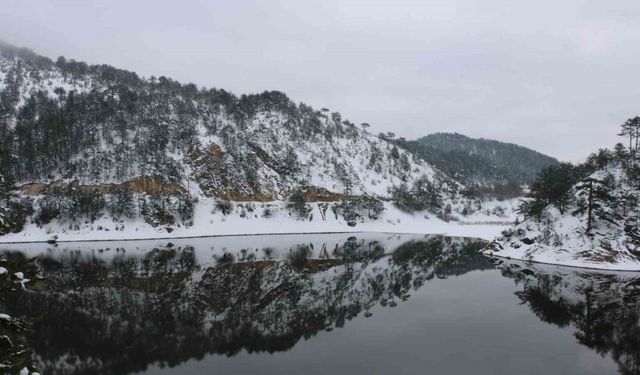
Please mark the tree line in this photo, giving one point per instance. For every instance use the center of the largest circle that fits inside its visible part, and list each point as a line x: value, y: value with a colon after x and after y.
x: 573, y: 188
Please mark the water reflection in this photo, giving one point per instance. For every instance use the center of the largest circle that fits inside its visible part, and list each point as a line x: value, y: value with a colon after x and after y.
x: 601, y: 307
x: 105, y: 309
x: 117, y: 311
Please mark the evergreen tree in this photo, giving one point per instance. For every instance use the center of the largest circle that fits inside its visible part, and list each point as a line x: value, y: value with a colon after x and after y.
x: 631, y: 129
x: 251, y: 171
x: 553, y: 185
x: 595, y: 201
x: 290, y: 161
x: 7, y: 179
x: 620, y: 152
x: 394, y: 152
x: 298, y: 201
x: 422, y: 195
x: 532, y: 209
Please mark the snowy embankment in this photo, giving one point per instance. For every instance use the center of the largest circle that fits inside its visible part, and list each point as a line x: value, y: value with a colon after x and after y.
x: 566, y: 257
x: 564, y: 238
x: 259, y: 218
x: 569, y: 247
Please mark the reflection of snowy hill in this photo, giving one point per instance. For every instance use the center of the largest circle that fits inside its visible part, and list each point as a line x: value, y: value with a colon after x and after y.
x: 178, y: 302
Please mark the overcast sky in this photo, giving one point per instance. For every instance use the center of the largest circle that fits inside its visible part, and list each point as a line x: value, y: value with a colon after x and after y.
x: 556, y: 76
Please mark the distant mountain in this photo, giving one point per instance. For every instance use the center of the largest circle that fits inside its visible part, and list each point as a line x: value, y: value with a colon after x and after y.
x: 479, y: 161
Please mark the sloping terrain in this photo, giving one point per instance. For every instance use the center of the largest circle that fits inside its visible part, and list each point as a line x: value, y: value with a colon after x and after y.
x: 480, y: 161
x: 91, y: 151
x: 97, y: 124
x: 594, y: 224
x: 87, y: 147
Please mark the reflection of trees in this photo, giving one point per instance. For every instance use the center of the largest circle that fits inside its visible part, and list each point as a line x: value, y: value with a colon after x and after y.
x: 120, y: 315
x: 603, y: 309
x: 15, y: 353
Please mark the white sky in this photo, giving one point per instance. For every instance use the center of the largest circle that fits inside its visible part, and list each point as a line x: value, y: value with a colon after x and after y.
x: 556, y: 76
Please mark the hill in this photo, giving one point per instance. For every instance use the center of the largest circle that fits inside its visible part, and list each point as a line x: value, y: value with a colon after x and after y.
x: 584, y: 215
x: 87, y: 148
x: 479, y: 161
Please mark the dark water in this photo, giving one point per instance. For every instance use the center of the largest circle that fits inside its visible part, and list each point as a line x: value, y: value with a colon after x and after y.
x: 322, y: 304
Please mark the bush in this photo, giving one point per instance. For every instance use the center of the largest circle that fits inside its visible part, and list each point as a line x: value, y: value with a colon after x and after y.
x: 224, y: 206
x: 46, y: 213
x: 423, y: 195
x: 267, y: 213
x: 358, y: 208
x: 297, y: 202
x: 14, y: 216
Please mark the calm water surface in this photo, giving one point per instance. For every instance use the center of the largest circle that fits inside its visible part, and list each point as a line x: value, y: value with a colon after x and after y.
x: 318, y: 304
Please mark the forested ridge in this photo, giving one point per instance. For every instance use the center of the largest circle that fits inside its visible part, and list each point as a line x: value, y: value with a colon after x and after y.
x: 79, y: 140
x: 591, y: 208
x: 481, y: 161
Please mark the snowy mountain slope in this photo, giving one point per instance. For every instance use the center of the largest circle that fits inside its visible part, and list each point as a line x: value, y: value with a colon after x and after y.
x: 260, y: 144
x: 84, y: 147
x: 596, y: 227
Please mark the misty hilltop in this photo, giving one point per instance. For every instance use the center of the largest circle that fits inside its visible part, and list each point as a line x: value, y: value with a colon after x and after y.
x: 480, y: 161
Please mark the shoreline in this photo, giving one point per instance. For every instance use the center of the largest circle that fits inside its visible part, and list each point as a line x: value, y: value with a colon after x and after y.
x: 195, y: 236
x: 591, y: 268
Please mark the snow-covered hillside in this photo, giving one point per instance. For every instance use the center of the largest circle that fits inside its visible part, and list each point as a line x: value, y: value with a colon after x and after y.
x: 94, y: 152
x: 233, y: 147
x: 596, y: 226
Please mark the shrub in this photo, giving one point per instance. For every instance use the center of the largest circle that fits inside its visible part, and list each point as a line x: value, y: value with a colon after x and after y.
x: 358, y: 208
x: 224, y: 206
x: 422, y: 195
x: 297, y: 202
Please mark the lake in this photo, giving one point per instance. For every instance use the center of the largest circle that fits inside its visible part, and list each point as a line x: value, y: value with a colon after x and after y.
x: 313, y: 304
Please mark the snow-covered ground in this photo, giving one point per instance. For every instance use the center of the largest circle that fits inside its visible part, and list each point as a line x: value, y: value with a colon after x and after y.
x: 574, y: 250
x: 251, y: 218
x: 561, y: 237
x: 563, y: 257
x: 502, y: 212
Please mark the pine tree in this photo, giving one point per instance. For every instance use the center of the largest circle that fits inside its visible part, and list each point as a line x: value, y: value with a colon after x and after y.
x: 251, y: 171
x: 553, y: 185
x: 621, y: 153
x: 394, y: 152
x: 532, y: 209
x: 626, y: 130
x: 6, y: 176
x: 631, y: 129
x: 595, y: 201
x: 290, y: 161
x: 298, y: 201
